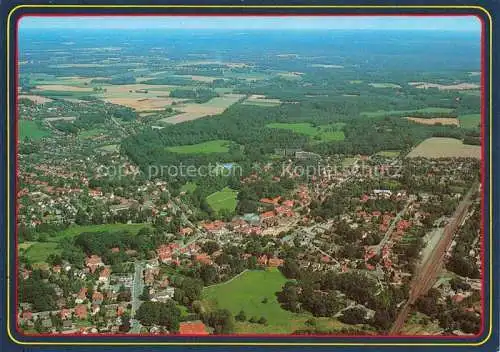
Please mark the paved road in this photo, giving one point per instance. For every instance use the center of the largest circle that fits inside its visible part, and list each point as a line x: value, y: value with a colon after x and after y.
x: 427, y: 275
x: 137, y: 287
x: 389, y: 231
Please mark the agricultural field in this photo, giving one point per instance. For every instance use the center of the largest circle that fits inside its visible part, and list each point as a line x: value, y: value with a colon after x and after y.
x: 324, y: 133
x: 261, y: 100
x: 248, y: 76
x: 384, y: 85
x: 46, y: 80
x: 32, y: 130
x: 470, y: 120
x: 445, y: 148
x: 225, y: 199
x: 193, y: 111
x: 36, y: 98
x: 217, y: 146
x: 327, y: 66
x: 141, y: 97
x: 434, y: 121
x: 382, y: 113
x: 247, y: 292
x: 291, y: 75
x: 458, y: 86
x: 61, y: 88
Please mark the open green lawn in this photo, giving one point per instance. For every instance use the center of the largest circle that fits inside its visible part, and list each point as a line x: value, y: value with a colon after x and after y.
x: 217, y: 146
x: 32, y: 130
x: 91, y: 133
x: 470, y: 120
x: 225, y: 199
x: 430, y: 110
x: 324, y: 133
x: 188, y: 187
x: 246, y: 292
x: 111, y: 148
x: 38, y: 252
x: 389, y: 153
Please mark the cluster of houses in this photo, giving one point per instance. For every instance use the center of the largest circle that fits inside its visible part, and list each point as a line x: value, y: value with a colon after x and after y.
x: 96, y: 307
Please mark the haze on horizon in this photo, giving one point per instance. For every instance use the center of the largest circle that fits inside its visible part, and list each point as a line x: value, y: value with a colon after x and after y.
x: 434, y: 23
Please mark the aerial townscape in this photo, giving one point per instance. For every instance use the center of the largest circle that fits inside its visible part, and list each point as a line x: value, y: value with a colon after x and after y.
x: 218, y: 181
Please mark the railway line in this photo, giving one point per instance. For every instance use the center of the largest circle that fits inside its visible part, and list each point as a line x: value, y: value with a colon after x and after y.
x: 427, y: 275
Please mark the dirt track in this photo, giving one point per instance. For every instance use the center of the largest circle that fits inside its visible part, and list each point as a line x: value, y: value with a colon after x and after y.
x: 424, y: 280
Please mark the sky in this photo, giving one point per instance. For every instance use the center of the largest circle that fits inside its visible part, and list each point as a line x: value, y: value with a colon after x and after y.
x: 448, y: 23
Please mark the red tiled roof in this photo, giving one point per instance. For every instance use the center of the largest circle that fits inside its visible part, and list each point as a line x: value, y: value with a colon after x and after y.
x: 97, y: 296
x: 192, y: 328
x: 268, y: 215
x: 83, y: 293
x: 274, y: 262
x: 81, y: 311
x: 203, y: 258
x: 105, y: 273
x: 65, y: 313
x: 288, y: 203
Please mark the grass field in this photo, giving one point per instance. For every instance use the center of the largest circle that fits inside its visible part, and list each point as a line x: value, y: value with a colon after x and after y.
x: 91, y: 133
x: 38, y: 252
x: 217, y: 146
x: 421, y: 324
x: 225, y: 199
x: 445, y: 148
x: 188, y: 187
x: 382, y: 113
x: 247, y: 292
x: 111, y: 148
x: 51, y: 80
x: 323, y: 133
x: 470, y: 120
x: 389, y: 153
x: 65, y: 95
x: 32, y: 130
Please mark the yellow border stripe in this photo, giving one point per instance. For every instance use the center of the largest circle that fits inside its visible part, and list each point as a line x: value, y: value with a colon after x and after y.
x: 290, y: 7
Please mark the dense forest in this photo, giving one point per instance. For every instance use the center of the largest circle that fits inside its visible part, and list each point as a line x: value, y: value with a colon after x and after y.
x: 246, y: 126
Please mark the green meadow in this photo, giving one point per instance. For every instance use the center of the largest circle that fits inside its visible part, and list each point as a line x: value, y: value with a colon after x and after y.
x: 323, y: 133
x: 32, y: 130
x: 225, y: 199
x: 216, y: 146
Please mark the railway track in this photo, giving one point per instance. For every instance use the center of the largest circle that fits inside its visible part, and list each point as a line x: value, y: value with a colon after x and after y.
x: 427, y: 275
